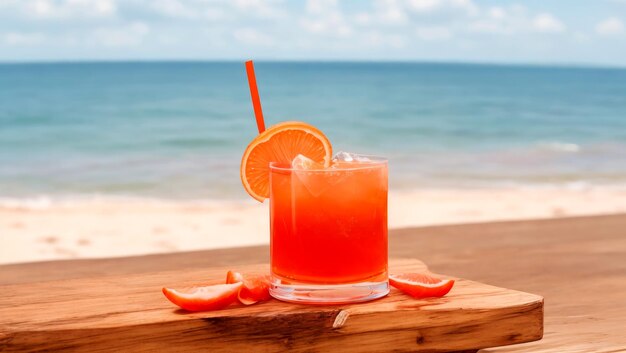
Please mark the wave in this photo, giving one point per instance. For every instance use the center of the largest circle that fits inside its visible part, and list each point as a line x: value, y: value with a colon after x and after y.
x: 49, y: 202
x: 27, y: 203
x: 558, y: 146
x: 46, y: 202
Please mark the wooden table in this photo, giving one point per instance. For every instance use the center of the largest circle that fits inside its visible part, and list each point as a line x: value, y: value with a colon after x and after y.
x: 577, y: 264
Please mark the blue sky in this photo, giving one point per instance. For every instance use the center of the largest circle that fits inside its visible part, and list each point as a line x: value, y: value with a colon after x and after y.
x: 569, y: 32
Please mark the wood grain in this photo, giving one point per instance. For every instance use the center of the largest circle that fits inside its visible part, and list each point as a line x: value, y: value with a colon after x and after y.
x: 128, y: 313
x: 576, y: 263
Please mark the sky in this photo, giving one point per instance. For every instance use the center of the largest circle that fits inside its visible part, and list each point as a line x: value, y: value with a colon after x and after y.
x: 537, y: 32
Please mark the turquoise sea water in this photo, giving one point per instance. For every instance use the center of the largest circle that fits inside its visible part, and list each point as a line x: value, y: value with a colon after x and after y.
x: 177, y: 130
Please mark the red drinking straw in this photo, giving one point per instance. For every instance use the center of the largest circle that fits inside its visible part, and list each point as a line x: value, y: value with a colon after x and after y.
x: 254, y: 94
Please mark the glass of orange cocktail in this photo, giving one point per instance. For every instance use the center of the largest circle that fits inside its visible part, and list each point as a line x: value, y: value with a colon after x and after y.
x: 328, y: 216
x: 328, y: 228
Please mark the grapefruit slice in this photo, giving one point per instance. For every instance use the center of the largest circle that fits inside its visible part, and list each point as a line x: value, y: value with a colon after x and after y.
x: 420, y: 285
x: 281, y: 143
x: 204, y: 298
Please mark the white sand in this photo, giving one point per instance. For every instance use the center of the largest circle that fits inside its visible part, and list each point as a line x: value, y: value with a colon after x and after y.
x: 102, y: 228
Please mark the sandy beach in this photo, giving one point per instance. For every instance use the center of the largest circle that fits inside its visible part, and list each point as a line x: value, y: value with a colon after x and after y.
x: 136, y: 137
x: 103, y: 227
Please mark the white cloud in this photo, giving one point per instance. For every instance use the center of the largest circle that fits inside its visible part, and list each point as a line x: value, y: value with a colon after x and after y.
x: 362, y: 19
x: 41, y: 8
x: 545, y: 22
x: 428, y: 6
x: 323, y: 17
x: 514, y: 20
x: 424, y: 5
x: 173, y: 8
x: 433, y: 33
x: 251, y: 36
x: 47, y: 9
x: 497, y: 13
x: 383, y: 40
x: 610, y: 26
x: 390, y: 12
x: 468, y: 6
x: 17, y: 38
x: 187, y: 10
x: 383, y: 13
x: 486, y: 26
x: 320, y: 7
x: 304, y: 29
x: 496, y: 20
x: 218, y: 10
x: 334, y: 26
x: 104, y: 7
x: 129, y: 35
x: 260, y: 8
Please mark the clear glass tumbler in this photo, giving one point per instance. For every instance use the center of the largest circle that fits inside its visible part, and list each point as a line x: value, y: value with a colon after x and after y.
x: 329, y: 232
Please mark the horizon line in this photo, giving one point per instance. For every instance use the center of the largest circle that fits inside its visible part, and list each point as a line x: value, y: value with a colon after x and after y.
x: 581, y: 65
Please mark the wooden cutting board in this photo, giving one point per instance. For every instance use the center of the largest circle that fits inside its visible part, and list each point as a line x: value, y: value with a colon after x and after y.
x: 129, y: 313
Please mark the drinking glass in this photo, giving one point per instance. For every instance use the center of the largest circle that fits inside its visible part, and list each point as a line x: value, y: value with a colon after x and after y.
x: 329, y: 232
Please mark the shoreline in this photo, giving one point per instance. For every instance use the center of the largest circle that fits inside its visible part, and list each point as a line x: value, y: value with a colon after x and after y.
x: 110, y: 226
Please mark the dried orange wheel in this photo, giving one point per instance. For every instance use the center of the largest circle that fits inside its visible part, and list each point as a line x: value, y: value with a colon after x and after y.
x: 280, y: 143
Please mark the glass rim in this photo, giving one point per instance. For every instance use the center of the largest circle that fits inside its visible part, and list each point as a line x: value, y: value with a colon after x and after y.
x: 373, y: 162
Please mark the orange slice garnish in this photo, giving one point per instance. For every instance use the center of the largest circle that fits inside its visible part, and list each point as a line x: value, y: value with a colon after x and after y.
x: 280, y: 143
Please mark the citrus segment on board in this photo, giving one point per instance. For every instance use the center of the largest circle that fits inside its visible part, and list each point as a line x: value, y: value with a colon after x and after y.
x: 204, y: 298
x: 420, y: 285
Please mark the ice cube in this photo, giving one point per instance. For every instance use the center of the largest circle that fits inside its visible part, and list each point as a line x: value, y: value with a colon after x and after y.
x: 350, y: 157
x: 313, y: 176
x: 343, y: 157
x: 304, y: 162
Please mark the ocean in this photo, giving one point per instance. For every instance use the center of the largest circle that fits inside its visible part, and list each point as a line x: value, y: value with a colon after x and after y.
x: 177, y: 130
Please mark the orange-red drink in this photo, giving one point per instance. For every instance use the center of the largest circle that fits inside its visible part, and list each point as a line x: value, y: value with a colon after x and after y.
x: 329, y: 231
x: 328, y: 220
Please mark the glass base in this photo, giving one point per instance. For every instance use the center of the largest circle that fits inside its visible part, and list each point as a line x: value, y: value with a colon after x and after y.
x: 328, y: 293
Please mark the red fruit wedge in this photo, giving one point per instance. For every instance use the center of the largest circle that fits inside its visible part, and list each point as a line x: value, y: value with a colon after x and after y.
x: 205, y: 298
x: 254, y: 288
x: 420, y: 285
